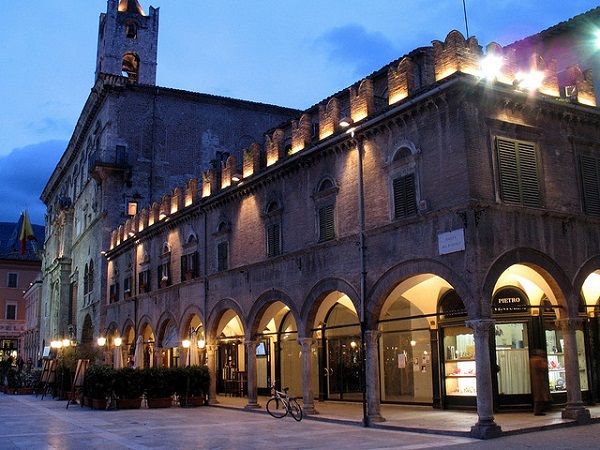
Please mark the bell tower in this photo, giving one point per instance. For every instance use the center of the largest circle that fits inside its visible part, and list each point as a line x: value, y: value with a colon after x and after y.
x: 128, y: 42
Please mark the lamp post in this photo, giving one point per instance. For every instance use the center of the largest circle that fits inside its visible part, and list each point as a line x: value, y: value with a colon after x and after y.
x: 186, y: 344
x: 102, y: 344
x: 346, y: 123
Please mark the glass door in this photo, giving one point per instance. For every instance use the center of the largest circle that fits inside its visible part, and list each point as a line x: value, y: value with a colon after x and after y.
x: 344, y: 370
x: 512, y: 363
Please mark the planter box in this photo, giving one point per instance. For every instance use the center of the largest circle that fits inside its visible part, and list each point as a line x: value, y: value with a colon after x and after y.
x: 98, y: 403
x: 165, y: 402
x: 191, y: 401
x: 129, y: 403
x: 24, y: 391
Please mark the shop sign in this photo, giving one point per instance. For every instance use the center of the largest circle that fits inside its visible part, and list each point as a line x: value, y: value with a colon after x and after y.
x: 510, y: 300
x: 452, y: 241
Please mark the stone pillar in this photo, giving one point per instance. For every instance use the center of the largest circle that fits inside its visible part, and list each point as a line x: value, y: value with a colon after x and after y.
x: 372, y: 385
x: 308, y: 397
x: 251, y: 370
x: 211, y: 362
x: 574, y: 408
x: 486, y: 427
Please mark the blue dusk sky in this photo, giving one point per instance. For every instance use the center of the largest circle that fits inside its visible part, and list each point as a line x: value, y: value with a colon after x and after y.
x: 285, y: 53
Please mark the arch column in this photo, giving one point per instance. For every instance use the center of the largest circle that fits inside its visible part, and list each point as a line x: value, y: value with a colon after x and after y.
x: 211, y: 362
x: 372, y: 385
x: 251, y: 370
x: 574, y: 408
x: 308, y: 397
x: 486, y: 427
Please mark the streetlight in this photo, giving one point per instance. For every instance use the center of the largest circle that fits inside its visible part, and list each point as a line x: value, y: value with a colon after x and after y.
x: 346, y: 123
x: 186, y: 344
x: 102, y: 343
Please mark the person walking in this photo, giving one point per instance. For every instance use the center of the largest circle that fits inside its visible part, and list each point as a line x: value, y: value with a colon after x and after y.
x: 539, y: 382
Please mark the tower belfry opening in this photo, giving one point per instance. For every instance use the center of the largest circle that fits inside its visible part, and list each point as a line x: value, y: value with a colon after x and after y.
x: 128, y: 42
x: 131, y: 6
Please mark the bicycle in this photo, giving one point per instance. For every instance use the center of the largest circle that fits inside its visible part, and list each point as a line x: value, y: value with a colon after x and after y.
x: 281, y: 404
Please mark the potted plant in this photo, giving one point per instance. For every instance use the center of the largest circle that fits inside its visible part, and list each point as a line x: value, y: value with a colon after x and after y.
x: 157, y: 382
x: 98, y: 385
x: 128, y: 388
x: 192, y: 383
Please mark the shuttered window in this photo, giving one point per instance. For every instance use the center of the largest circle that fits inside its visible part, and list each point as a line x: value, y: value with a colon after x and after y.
x: 326, y: 223
x: 405, y: 197
x: 273, y: 240
x: 590, y: 179
x: 222, y: 256
x: 519, y: 175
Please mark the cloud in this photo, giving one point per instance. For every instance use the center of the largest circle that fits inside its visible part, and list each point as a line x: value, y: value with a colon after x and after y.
x: 352, y: 45
x: 23, y: 175
x: 50, y: 125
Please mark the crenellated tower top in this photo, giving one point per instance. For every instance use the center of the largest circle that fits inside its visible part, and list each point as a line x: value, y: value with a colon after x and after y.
x: 128, y: 42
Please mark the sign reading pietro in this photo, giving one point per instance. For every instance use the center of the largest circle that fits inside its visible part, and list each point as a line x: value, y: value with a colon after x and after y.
x: 452, y: 241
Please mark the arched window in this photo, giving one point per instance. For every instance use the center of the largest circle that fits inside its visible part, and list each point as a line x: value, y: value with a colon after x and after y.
x: 325, y: 201
x: 86, y: 280
x: 91, y: 277
x: 273, y: 229
x: 130, y: 66
x: 131, y: 29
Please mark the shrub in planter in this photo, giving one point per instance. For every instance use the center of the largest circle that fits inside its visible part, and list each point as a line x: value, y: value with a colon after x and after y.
x: 158, y: 382
x: 191, y: 383
x: 199, y: 380
x: 98, y: 381
x: 128, y: 383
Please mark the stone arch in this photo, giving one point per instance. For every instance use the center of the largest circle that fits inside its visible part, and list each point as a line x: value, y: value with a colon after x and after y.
x: 541, y: 263
x: 145, y: 321
x: 217, y: 312
x: 130, y: 66
x: 315, y: 298
x: 401, y: 272
x: 261, y: 305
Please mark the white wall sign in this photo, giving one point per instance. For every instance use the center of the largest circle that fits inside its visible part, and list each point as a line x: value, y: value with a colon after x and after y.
x: 452, y: 241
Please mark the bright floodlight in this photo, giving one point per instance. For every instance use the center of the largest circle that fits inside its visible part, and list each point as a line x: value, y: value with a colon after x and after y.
x: 491, y: 66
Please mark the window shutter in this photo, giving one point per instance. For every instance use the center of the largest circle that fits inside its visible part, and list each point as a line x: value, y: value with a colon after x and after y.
x: 183, y: 267
x: 509, y: 174
x: 222, y: 256
x: 405, y: 198
x: 590, y: 179
x: 273, y: 240
x: 195, y: 265
x: 519, y: 177
x: 326, y: 223
x: 529, y: 177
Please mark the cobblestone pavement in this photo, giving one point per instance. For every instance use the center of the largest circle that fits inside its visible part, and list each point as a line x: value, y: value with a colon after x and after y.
x: 27, y: 422
x: 31, y: 423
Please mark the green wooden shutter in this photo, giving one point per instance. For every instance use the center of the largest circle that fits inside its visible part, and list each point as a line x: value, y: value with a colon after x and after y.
x: 519, y: 177
x: 326, y: 223
x: 184, y: 267
x: 529, y: 177
x: 405, y: 198
x: 590, y: 179
x: 222, y: 259
x: 273, y: 240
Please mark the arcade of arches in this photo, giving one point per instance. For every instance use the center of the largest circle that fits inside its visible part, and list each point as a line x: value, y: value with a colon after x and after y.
x: 425, y: 341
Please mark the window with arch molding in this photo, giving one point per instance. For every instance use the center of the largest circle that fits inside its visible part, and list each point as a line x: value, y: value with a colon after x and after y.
x: 325, y: 198
x: 273, y: 229
x: 403, y: 170
x: 130, y: 67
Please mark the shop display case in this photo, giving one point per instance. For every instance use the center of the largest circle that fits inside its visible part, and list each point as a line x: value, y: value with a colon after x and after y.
x: 459, y: 364
x: 461, y: 377
x: 556, y: 372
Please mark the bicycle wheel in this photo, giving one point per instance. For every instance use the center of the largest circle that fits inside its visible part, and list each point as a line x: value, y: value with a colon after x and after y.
x: 276, y: 408
x: 295, y: 410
